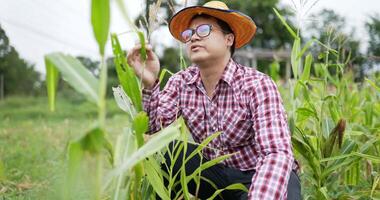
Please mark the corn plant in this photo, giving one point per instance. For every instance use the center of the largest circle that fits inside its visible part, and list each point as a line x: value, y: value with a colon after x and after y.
x: 334, y: 135
x: 129, y: 168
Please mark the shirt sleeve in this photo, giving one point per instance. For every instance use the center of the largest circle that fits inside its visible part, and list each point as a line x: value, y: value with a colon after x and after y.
x: 273, y: 140
x: 161, y: 106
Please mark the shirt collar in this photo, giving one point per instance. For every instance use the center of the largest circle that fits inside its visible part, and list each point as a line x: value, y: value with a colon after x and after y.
x: 229, y: 71
x: 227, y: 75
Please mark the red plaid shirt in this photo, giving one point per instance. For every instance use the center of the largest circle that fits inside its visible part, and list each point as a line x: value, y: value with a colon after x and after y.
x: 246, y: 107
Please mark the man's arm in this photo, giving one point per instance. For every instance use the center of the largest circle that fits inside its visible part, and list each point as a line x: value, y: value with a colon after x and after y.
x: 273, y: 139
x: 162, y: 106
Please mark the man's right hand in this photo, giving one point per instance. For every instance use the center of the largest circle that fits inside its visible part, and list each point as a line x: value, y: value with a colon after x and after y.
x: 149, y: 73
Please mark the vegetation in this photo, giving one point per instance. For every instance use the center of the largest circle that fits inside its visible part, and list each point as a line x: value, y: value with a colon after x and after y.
x: 94, y: 148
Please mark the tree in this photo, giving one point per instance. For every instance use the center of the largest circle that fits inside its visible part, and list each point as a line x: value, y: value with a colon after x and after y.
x: 19, y: 76
x: 271, y: 33
x: 330, y: 30
x: 373, y: 28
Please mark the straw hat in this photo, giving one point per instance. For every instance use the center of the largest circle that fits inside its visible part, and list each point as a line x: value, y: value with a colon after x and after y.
x: 243, y: 26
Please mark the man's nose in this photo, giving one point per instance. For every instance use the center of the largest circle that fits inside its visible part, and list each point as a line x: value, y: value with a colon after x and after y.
x: 194, y: 37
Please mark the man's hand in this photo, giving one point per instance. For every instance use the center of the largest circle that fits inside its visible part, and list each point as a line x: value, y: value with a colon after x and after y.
x: 149, y: 73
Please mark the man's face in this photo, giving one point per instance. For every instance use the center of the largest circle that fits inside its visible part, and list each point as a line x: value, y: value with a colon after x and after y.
x: 214, y: 46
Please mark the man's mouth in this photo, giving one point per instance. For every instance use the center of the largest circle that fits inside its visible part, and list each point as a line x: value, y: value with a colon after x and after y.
x: 196, y: 47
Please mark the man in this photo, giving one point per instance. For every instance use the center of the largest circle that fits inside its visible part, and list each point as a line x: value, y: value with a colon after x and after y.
x: 218, y: 94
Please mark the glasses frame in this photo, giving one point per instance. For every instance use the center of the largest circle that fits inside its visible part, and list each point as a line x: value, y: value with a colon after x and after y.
x: 196, y: 32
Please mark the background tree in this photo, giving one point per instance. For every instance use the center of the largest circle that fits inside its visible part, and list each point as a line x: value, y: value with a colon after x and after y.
x: 20, y: 78
x: 331, y: 29
x: 373, y: 51
x: 270, y: 34
x: 373, y: 28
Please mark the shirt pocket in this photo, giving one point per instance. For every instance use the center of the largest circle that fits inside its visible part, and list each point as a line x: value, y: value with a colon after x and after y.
x: 195, y: 121
x: 237, y: 128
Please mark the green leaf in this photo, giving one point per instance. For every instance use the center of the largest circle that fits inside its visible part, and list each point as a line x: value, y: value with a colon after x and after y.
x: 290, y: 30
x: 305, y: 48
x: 306, y: 71
x: 143, y: 48
x: 94, y: 141
x: 100, y: 20
x: 206, y: 165
x: 163, y: 73
x: 75, y: 75
x: 140, y: 126
x: 274, y: 70
x: 202, y: 145
x: 75, y: 155
x: 155, y: 144
x: 305, y: 113
x: 323, y: 194
x: 2, y: 171
x: 124, y: 102
x: 51, y: 82
x: 293, y: 58
x: 235, y: 186
x: 155, y: 178
x: 126, y: 75
x: 373, y: 84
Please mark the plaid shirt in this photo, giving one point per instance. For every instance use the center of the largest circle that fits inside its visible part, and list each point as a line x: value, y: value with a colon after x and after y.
x: 247, y: 108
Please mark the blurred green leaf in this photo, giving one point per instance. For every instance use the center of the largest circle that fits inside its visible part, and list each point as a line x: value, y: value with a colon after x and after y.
x: 140, y: 126
x: 373, y: 84
x: 52, y: 75
x: 290, y: 30
x: 274, y: 70
x: 143, y: 48
x: 2, y: 173
x: 153, y: 171
x: 75, y: 75
x: 306, y: 71
x: 163, y: 73
x: 155, y: 144
x: 126, y: 75
x: 293, y: 58
x: 100, y: 20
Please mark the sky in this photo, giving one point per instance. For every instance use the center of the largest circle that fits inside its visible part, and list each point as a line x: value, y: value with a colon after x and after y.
x: 39, y: 27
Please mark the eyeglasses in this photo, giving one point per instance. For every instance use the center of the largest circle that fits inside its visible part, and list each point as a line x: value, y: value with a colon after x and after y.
x: 202, y: 31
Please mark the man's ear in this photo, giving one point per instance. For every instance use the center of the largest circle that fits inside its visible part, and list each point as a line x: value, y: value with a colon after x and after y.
x: 230, y: 39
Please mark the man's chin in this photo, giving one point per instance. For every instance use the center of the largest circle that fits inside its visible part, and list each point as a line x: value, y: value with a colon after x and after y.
x: 196, y: 59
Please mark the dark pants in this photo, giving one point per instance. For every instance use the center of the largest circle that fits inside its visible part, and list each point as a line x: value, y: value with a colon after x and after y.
x: 222, y: 177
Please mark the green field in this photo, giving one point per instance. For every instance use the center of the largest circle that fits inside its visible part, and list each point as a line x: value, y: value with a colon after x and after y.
x: 33, y: 142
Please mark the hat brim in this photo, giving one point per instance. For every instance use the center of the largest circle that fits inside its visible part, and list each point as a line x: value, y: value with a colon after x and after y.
x: 243, y: 26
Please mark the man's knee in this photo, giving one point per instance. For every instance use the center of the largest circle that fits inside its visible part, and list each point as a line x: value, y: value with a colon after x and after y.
x: 294, y: 187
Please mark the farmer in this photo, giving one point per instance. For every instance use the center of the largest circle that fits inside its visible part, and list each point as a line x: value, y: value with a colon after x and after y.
x: 216, y: 94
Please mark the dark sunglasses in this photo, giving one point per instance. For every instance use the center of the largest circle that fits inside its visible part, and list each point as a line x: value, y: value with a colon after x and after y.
x: 202, y: 31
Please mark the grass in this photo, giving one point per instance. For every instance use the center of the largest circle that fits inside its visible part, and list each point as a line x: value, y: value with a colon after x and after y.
x: 33, y: 142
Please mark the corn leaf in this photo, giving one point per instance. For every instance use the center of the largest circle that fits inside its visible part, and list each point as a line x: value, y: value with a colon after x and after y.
x: 100, y: 20
x: 52, y: 75
x: 155, y: 178
x: 143, y: 48
x: 75, y: 75
x: 156, y: 143
x: 290, y: 30
x: 373, y: 84
x: 140, y: 126
x: 293, y: 58
x: 236, y: 186
x: 206, y: 165
x: 124, y: 102
x: 306, y: 71
x: 126, y: 75
x: 163, y: 73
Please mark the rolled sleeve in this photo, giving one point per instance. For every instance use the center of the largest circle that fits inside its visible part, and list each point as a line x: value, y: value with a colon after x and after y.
x: 273, y: 141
